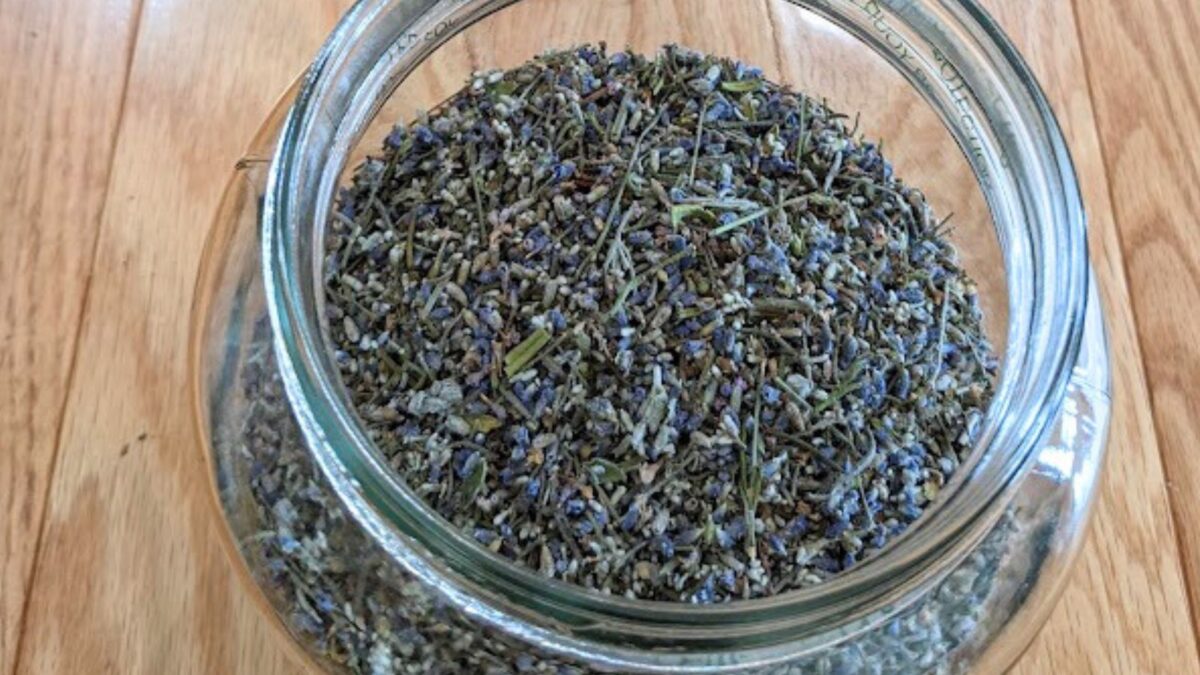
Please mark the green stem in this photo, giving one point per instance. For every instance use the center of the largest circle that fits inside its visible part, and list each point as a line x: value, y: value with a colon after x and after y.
x: 751, y: 217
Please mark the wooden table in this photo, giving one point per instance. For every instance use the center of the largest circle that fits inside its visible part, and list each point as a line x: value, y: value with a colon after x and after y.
x: 119, y: 122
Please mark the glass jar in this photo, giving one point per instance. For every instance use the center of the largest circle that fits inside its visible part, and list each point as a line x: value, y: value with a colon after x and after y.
x: 366, y: 577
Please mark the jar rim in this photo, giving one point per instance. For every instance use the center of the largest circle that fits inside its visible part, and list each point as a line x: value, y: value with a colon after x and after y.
x: 959, y: 30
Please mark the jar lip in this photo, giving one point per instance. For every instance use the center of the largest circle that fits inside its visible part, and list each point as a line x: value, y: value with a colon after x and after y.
x: 330, y: 430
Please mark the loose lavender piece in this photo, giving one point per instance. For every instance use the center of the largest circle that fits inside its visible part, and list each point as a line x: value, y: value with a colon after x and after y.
x: 657, y: 327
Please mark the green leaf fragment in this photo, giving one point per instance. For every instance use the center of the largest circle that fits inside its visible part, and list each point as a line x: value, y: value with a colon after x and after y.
x: 796, y: 245
x: 681, y: 212
x: 476, y: 479
x: 484, y: 424
x: 741, y: 86
x: 503, y: 88
x: 524, y: 353
x: 931, y: 490
x: 606, y: 471
x: 818, y: 199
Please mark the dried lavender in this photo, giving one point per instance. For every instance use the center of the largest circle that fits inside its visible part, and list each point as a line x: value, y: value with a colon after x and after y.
x: 349, y: 603
x: 357, y: 610
x: 658, y: 327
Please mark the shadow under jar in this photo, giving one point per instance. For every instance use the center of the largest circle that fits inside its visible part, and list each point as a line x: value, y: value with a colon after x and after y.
x: 367, y: 577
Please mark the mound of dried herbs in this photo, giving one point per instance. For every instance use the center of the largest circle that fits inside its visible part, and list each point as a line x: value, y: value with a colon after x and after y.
x: 353, y: 606
x: 655, y: 326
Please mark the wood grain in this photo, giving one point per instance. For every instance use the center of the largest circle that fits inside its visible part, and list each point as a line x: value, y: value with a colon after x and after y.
x: 54, y: 168
x: 1124, y: 610
x: 130, y: 578
x: 1144, y: 72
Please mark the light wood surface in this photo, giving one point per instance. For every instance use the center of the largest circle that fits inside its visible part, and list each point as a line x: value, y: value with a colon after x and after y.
x: 119, y: 123
x: 1144, y: 71
x: 64, y: 67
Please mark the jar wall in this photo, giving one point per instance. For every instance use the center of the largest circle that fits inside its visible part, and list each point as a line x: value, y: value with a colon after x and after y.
x: 291, y: 530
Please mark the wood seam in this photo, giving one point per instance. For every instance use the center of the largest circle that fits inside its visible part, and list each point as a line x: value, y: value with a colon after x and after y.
x: 30, y: 581
x: 1188, y: 582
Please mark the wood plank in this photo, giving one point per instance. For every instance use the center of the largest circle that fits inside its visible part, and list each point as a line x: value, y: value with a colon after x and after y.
x: 1144, y: 71
x: 1124, y: 609
x: 54, y: 170
x: 131, y: 578
x: 204, y: 75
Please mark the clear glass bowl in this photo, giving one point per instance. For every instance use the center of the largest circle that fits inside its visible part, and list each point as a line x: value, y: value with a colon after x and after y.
x: 311, y: 505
